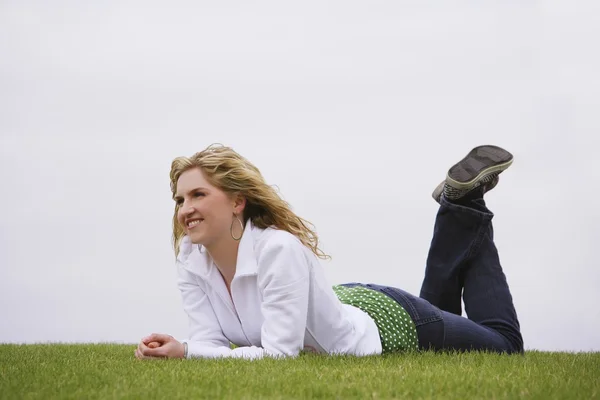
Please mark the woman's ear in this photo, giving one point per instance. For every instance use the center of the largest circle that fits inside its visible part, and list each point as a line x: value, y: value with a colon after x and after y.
x: 239, y: 203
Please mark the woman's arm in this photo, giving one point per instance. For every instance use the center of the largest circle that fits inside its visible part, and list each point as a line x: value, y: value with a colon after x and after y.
x: 283, y: 278
x: 207, y: 339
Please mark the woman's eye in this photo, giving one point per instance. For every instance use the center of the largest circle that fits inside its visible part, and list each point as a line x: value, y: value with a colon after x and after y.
x: 179, y: 202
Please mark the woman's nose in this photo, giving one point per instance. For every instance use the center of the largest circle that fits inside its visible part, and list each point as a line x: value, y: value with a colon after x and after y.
x: 187, y: 209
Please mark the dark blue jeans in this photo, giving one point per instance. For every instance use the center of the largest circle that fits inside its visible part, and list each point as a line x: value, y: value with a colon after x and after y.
x: 462, y: 259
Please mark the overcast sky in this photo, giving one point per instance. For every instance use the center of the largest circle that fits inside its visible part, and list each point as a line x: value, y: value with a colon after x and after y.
x: 354, y: 109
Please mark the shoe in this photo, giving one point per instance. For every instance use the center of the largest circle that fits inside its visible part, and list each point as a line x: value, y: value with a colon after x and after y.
x: 439, y: 190
x: 480, y: 167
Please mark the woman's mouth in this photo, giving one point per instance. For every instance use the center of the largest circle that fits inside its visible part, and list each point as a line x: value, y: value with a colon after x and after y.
x: 191, y: 224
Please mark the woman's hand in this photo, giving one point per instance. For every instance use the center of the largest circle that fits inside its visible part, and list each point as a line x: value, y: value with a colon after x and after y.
x: 159, y: 346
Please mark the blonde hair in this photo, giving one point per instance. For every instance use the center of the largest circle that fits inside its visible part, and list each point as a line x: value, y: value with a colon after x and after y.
x: 232, y: 173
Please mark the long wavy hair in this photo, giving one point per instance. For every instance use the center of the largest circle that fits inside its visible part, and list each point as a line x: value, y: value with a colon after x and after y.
x: 232, y: 173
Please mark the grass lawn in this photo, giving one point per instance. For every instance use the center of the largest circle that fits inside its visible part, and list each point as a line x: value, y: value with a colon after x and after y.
x: 111, y: 371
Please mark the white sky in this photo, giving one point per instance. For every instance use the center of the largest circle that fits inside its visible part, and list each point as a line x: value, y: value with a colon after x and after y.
x: 355, y: 110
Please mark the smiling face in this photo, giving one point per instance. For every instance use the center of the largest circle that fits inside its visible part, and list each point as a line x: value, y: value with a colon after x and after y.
x: 205, y: 211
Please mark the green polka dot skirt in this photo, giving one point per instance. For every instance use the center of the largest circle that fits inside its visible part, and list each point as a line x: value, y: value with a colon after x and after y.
x: 396, y: 329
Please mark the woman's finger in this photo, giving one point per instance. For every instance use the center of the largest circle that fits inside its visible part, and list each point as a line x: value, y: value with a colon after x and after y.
x: 142, y: 348
x: 140, y: 356
x: 148, y: 352
x: 157, y: 337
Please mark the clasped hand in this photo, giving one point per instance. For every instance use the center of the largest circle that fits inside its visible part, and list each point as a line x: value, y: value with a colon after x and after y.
x: 159, y: 346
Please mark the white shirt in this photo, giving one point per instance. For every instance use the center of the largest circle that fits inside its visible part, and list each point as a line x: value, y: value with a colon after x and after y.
x: 280, y: 303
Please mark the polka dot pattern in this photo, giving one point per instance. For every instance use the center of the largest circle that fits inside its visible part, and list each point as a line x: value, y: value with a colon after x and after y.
x: 396, y: 329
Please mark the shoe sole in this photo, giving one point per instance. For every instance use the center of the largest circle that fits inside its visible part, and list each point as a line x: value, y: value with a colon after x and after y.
x: 480, y: 163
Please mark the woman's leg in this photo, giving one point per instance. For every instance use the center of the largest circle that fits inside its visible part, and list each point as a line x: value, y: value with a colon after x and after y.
x: 486, y: 294
x: 463, y: 257
x: 467, y: 180
x: 448, y: 255
x: 464, y: 234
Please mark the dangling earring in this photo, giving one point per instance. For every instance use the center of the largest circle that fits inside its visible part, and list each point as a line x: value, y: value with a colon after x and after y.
x: 241, y: 225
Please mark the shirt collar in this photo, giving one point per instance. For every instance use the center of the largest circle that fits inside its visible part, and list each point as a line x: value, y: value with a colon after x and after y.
x: 196, y: 259
x: 246, y: 263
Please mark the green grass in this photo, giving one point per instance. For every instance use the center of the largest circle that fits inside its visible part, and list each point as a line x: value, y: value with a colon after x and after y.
x: 111, y: 371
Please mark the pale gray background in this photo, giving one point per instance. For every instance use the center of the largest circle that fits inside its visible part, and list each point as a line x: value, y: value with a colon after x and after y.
x: 354, y: 109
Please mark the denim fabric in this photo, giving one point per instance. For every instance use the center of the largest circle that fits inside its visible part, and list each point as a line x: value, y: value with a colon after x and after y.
x: 462, y: 259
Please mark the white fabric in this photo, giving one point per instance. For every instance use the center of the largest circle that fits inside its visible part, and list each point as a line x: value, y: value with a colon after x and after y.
x: 280, y: 303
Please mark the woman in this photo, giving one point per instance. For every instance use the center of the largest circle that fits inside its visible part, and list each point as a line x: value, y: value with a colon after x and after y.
x: 249, y: 272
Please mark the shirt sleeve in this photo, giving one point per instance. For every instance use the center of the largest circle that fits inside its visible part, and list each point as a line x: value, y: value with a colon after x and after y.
x: 206, y: 337
x: 283, y: 278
